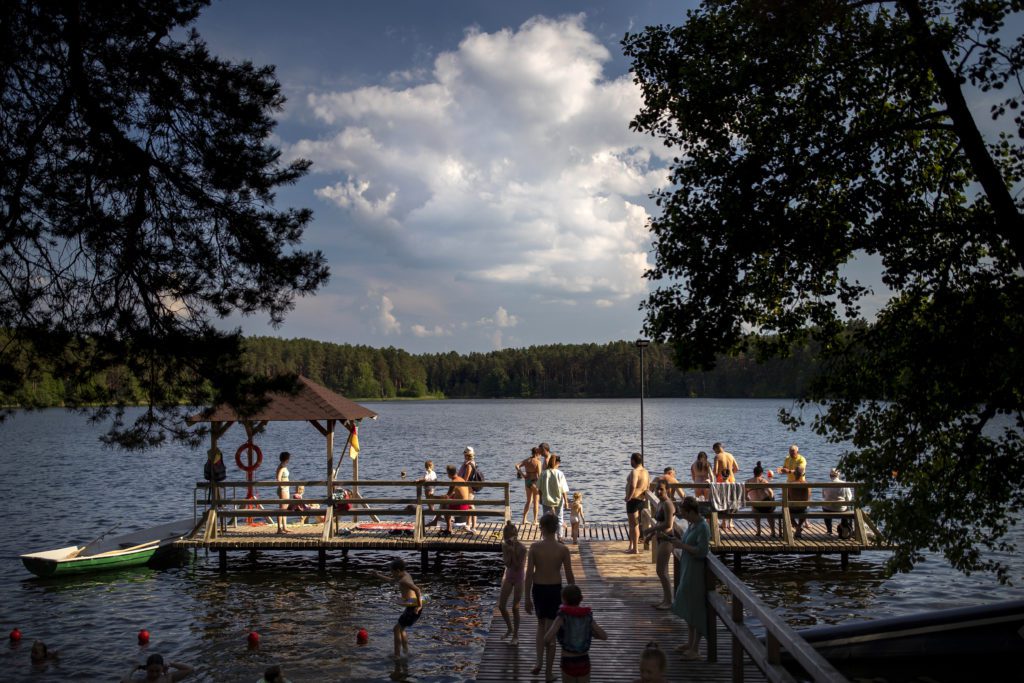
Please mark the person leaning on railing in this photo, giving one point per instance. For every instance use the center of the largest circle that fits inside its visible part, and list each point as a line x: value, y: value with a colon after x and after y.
x: 691, y: 596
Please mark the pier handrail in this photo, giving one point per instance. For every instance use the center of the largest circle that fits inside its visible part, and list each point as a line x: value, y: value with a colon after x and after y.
x: 787, y: 507
x: 396, y: 505
x: 778, y: 634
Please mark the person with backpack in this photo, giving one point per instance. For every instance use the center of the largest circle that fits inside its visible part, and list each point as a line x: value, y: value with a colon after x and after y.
x: 574, y: 627
x: 215, y: 472
x: 470, y: 472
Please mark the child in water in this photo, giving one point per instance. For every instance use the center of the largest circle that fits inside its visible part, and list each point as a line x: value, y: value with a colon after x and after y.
x: 513, y: 554
x: 41, y: 654
x: 653, y: 664
x: 411, y: 598
x: 574, y: 627
x: 576, y: 516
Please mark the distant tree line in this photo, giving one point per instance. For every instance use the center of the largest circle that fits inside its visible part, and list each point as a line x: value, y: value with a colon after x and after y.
x: 550, y: 371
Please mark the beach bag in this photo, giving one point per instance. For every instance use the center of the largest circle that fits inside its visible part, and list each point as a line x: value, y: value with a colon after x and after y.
x: 845, y: 530
x: 215, y: 473
x: 476, y: 475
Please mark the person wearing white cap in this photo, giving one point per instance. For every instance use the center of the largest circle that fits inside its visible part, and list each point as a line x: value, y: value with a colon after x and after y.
x: 468, y: 465
x: 835, y: 495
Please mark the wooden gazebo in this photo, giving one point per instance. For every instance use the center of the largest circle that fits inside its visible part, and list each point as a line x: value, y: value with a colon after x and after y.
x: 313, y: 403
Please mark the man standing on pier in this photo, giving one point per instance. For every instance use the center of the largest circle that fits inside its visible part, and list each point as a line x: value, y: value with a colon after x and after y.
x: 636, y: 488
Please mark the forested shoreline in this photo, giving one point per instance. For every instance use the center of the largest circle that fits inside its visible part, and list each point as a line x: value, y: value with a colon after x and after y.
x: 550, y: 371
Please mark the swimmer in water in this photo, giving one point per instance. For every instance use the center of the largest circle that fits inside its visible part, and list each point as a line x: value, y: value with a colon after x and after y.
x: 411, y: 597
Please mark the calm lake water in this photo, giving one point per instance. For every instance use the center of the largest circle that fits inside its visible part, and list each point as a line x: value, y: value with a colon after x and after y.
x: 63, y: 487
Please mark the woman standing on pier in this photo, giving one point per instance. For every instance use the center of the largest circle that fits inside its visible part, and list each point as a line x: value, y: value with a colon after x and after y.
x: 283, y: 490
x: 663, y: 527
x: 700, y: 473
x: 690, y: 596
x: 529, y: 471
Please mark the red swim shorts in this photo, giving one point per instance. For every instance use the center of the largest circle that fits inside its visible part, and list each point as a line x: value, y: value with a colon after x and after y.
x: 576, y: 666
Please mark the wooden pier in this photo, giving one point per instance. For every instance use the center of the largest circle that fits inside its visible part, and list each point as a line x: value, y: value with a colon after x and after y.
x: 620, y: 588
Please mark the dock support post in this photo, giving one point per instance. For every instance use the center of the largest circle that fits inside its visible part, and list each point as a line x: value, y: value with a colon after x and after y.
x: 712, y: 638
x: 223, y: 561
x: 321, y: 559
x: 737, y: 646
x: 844, y: 560
x: 424, y: 561
x: 437, y: 561
x: 737, y: 562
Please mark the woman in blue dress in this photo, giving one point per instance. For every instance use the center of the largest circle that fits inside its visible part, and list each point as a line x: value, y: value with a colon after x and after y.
x: 690, y: 601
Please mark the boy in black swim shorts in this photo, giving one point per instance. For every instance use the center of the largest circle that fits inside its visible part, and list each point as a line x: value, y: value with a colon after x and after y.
x: 412, y: 598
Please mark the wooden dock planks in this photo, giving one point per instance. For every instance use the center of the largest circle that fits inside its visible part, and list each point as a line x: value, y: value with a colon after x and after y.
x: 310, y: 537
x: 620, y: 589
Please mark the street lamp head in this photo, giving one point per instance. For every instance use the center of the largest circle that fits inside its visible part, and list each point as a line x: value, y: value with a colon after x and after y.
x: 642, y: 343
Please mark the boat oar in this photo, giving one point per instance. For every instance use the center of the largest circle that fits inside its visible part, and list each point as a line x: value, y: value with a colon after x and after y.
x: 94, y: 541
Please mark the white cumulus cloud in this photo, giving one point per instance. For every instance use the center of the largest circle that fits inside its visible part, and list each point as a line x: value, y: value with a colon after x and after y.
x: 510, y: 164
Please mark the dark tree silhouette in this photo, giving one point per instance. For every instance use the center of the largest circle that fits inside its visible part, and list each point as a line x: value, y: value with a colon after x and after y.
x: 807, y: 133
x: 137, y: 189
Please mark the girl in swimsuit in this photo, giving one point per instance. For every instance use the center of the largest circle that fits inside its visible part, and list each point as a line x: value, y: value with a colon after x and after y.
x: 283, y: 492
x: 700, y: 473
x: 530, y: 469
x: 513, y: 553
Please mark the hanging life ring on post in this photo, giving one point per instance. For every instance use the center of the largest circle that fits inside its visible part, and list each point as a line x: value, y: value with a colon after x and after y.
x: 250, y: 447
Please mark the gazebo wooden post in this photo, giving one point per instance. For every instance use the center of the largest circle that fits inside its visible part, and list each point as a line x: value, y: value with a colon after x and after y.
x: 330, y: 458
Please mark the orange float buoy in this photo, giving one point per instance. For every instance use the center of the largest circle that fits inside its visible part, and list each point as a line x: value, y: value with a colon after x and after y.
x: 253, y: 638
x: 362, y: 637
x: 15, y: 635
x: 143, y: 637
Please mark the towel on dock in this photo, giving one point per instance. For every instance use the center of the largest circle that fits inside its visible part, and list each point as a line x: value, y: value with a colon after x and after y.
x: 726, y: 497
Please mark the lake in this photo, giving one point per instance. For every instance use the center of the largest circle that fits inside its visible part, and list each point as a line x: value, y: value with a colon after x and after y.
x: 64, y: 487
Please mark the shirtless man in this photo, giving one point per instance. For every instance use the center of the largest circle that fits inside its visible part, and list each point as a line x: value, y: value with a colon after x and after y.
x: 636, y: 486
x: 724, y: 461
x: 155, y: 671
x: 460, y: 494
x: 544, y: 565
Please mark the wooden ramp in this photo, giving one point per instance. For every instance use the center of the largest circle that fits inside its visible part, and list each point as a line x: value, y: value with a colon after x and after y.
x: 620, y: 588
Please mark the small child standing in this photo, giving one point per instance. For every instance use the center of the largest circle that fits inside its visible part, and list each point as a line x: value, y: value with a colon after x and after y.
x: 653, y: 664
x: 513, y: 554
x: 574, y: 627
x: 411, y: 598
x: 429, y: 475
x: 576, y: 516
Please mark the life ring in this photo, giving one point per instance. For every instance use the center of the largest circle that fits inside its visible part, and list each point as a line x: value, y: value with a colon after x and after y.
x: 250, y: 446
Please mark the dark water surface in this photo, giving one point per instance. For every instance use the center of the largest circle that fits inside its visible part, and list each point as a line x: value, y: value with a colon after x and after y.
x: 63, y: 488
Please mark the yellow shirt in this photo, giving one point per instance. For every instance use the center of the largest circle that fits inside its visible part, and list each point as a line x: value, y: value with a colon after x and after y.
x: 792, y: 463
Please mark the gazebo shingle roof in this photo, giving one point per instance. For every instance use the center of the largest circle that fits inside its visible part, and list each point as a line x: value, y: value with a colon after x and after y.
x: 312, y: 402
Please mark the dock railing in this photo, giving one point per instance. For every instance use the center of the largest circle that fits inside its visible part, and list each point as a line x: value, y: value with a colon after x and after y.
x: 790, y: 504
x: 219, y: 508
x: 779, y: 636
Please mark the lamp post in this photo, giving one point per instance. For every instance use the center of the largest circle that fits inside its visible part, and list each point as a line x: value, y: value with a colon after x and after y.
x: 642, y: 344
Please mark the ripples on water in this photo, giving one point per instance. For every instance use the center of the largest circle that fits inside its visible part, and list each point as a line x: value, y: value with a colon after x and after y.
x: 55, y: 469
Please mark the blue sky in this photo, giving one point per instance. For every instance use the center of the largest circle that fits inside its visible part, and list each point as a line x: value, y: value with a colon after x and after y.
x: 475, y: 185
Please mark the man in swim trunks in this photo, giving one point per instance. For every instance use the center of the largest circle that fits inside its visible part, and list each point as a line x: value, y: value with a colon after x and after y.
x: 412, y: 598
x: 457, y: 492
x: 545, y: 562
x: 636, y: 488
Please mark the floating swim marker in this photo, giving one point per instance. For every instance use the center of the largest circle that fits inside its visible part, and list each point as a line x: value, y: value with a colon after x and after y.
x: 253, y: 639
x: 15, y: 635
x: 362, y: 637
x: 143, y: 637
